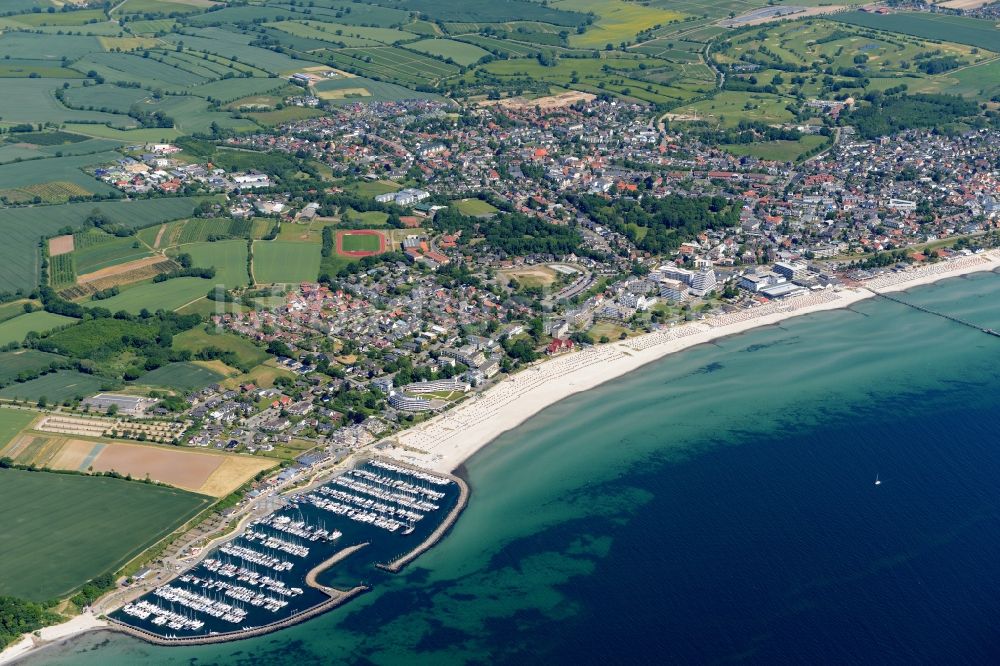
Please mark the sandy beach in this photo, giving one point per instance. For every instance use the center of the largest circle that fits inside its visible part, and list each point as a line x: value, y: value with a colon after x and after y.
x: 49, y: 635
x: 448, y: 440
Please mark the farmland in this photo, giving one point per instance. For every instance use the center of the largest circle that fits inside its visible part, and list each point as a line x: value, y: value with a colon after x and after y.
x: 12, y: 421
x: 973, y: 32
x: 19, y: 258
x: 66, y: 169
x: 200, y: 338
x: 15, y: 330
x: 54, y: 387
x: 168, y: 295
x: 13, y: 363
x: 46, y: 513
x: 229, y: 258
x: 34, y: 101
x: 180, y: 376
x: 96, y: 250
x: 459, y: 52
x: 394, y: 64
x: 285, y: 262
x: 617, y: 20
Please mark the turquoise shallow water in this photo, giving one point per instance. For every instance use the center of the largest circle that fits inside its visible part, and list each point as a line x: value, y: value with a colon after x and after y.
x: 717, y: 506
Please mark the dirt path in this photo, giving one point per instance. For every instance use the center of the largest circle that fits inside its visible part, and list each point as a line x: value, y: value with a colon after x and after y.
x: 159, y: 236
x: 119, y: 269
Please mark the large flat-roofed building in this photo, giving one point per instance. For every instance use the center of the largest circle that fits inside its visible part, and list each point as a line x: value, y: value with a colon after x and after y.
x: 756, y: 281
x: 676, y: 273
x: 783, y: 290
x: 131, y: 405
x: 673, y: 290
x: 790, y: 270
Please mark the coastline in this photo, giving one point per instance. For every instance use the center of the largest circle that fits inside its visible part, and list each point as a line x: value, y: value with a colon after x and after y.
x: 445, y: 442
x: 56, y: 633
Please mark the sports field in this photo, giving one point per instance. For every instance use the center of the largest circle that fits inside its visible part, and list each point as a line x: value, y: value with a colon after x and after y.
x: 57, y: 531
x: 285, y: 261
x: 360, y: 243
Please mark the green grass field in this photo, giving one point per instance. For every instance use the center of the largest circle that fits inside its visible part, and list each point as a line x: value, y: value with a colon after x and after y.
x: 13, y: 421
x: 23, y: 360
x: 15, y: 330
x: 360, y: 242
x: 180, y: 376
x: 47, y: 514
x: 974, y: 32
x: 460, y: 52
x: 228, y: 257
x: 616, y: 20
x: 371, y: 188
x: 474, y: 207
x: 15, y: 308
x: 153, y: 296
x: 54, y: 387
x: 372, y: 218
x: 781, y: 151
x: 19, y: 257
x: 103, y: 250
x: 285, y: 262
x: 196, y: 339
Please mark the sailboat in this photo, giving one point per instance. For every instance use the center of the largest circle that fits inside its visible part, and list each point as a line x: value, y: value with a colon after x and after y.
x: 877, y: 481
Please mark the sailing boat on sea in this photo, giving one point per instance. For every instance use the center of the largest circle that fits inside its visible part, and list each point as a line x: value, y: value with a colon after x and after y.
x: 877, y: 481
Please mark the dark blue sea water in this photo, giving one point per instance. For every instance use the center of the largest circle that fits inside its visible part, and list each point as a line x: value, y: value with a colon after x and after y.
x: 716, y: 507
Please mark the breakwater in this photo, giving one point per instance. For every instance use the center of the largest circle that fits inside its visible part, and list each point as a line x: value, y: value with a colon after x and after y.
x: 318, y: 550
x: 926, y: 310
x: 397, y: 565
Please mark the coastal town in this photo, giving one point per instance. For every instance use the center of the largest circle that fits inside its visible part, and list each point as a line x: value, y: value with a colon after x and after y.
x: 279, y: 331
x: 441, y: 319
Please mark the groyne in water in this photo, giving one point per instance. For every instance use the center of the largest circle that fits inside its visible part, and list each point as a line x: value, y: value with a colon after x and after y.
x: 920, y: 308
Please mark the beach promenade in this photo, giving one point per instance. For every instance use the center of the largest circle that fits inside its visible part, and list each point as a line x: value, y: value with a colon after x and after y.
x: 448, y: 440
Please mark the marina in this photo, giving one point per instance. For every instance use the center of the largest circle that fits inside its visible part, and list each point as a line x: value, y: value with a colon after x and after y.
x: 319, y: 548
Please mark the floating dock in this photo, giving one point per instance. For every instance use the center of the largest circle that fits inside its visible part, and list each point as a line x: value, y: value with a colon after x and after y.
x: 266, y: 577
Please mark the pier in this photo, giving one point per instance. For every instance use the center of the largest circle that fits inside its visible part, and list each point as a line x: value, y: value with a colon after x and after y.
x: 920, y: 308
x: 397, y: 565
x: 302, y: 616
x: 264, y: 577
